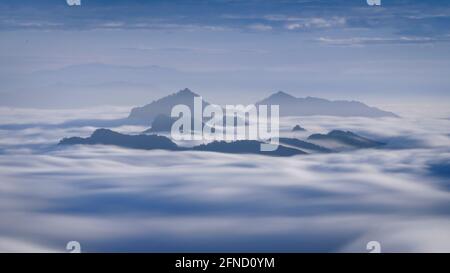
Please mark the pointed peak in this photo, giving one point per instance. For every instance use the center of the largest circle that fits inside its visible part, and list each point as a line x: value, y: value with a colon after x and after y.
x: 281, y: 94
x: 298, y: 128
x: 186, y: 91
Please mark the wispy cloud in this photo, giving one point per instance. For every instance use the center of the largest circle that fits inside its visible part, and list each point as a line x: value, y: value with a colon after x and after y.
x: 316, y: 23
x: 359, y: 41
x: 220, y: 15
x: 260, y: 27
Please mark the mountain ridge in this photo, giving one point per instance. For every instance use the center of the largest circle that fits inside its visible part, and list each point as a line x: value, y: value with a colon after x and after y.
x: 154, y: 142
x: 164, y: 105
x: 144, y: 115
x: 311, y: 106
x: 344, y: 138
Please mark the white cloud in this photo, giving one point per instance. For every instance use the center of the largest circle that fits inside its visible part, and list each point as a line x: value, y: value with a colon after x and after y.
x: 294, y: 26
x: 308, y: 23
x: 359, y: 41
x: 109, y: 198
x: 260, y: 27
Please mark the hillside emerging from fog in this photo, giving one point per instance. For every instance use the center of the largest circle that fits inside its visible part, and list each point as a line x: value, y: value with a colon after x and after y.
x: 289, y: 106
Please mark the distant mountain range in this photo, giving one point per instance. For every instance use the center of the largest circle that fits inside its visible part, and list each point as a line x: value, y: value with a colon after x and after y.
x: 289, y: 106
x: 287, y: 147
x: 161, y: 109
x: 309, y: 106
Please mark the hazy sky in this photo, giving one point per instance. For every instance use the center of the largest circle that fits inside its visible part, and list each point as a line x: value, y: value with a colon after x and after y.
x: 131, y: 52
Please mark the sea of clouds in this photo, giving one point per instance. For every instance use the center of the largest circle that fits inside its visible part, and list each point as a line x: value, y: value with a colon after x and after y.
x: 113, y: 199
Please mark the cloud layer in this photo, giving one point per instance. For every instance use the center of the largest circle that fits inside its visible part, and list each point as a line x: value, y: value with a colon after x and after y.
x: 112, y: 199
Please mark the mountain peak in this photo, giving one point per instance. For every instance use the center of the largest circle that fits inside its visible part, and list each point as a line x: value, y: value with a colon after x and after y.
x: 187, y: 92
x: 281, y: 94
x: 298, y: 128
x: 279, y: 97
x: 147, y: 113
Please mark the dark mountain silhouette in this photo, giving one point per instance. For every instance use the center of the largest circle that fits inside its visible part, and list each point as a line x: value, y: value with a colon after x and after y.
x: 245, y: 147
x: 108, y: 137
x: 309, y: 106
x: 163, y: 106
x: 297, y: 143
x: 151, y: 142
x: 298, y: 128
x: 345, y: 138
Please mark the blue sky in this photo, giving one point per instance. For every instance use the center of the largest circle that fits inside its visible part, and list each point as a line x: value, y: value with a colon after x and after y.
x: 230, y: 51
